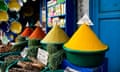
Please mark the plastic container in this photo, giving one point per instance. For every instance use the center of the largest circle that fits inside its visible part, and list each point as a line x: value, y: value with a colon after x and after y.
x: 85, y: 59
x: 101, y: 68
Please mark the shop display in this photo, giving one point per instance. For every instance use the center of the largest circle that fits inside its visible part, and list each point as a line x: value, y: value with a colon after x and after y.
x: 62, y: 13
x: 25, y: 38
x: 57, y: 51
x: 56, y: 13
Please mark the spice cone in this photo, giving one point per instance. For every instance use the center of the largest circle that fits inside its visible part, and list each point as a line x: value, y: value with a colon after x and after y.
x: 55, y: 35
x: 84, y: 39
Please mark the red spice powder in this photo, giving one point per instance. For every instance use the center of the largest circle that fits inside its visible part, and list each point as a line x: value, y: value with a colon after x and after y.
x: 27, y: 32
x: 38, y: 34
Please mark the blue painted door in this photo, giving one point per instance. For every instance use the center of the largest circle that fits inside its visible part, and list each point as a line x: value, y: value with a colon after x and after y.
x: 106, y: 17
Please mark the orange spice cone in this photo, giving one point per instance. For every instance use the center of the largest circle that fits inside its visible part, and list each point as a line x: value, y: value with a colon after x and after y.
x: 27, y: 31
x: 38, y: 33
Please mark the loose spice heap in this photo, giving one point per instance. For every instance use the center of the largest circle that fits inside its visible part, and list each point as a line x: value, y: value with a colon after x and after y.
x: 84, y: 39
x: 27, y: 31
x: 38, y: 33
x: 56, y: 35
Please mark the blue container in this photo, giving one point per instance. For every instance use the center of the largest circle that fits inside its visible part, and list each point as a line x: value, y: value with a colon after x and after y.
x: 102, y: 68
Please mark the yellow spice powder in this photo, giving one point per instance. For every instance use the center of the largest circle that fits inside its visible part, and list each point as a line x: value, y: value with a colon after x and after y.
x: 84, y: 39
x: 55, y: 35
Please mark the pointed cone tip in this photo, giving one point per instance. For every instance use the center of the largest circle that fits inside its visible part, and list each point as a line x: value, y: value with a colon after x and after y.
x: 85, y: 20
x: 27, y: 24
x: 38, y: 24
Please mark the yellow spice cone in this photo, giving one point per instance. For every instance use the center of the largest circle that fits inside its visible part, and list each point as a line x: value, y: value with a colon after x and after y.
x: 4, y: 16
x: 84, y: 39
x: 55, y: 35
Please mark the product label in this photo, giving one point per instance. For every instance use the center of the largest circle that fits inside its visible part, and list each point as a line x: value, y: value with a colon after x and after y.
x: 24, y: 52
x: 42, y: 56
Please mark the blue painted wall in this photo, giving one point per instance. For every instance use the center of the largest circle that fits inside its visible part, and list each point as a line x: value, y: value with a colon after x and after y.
x: 106, y: 16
